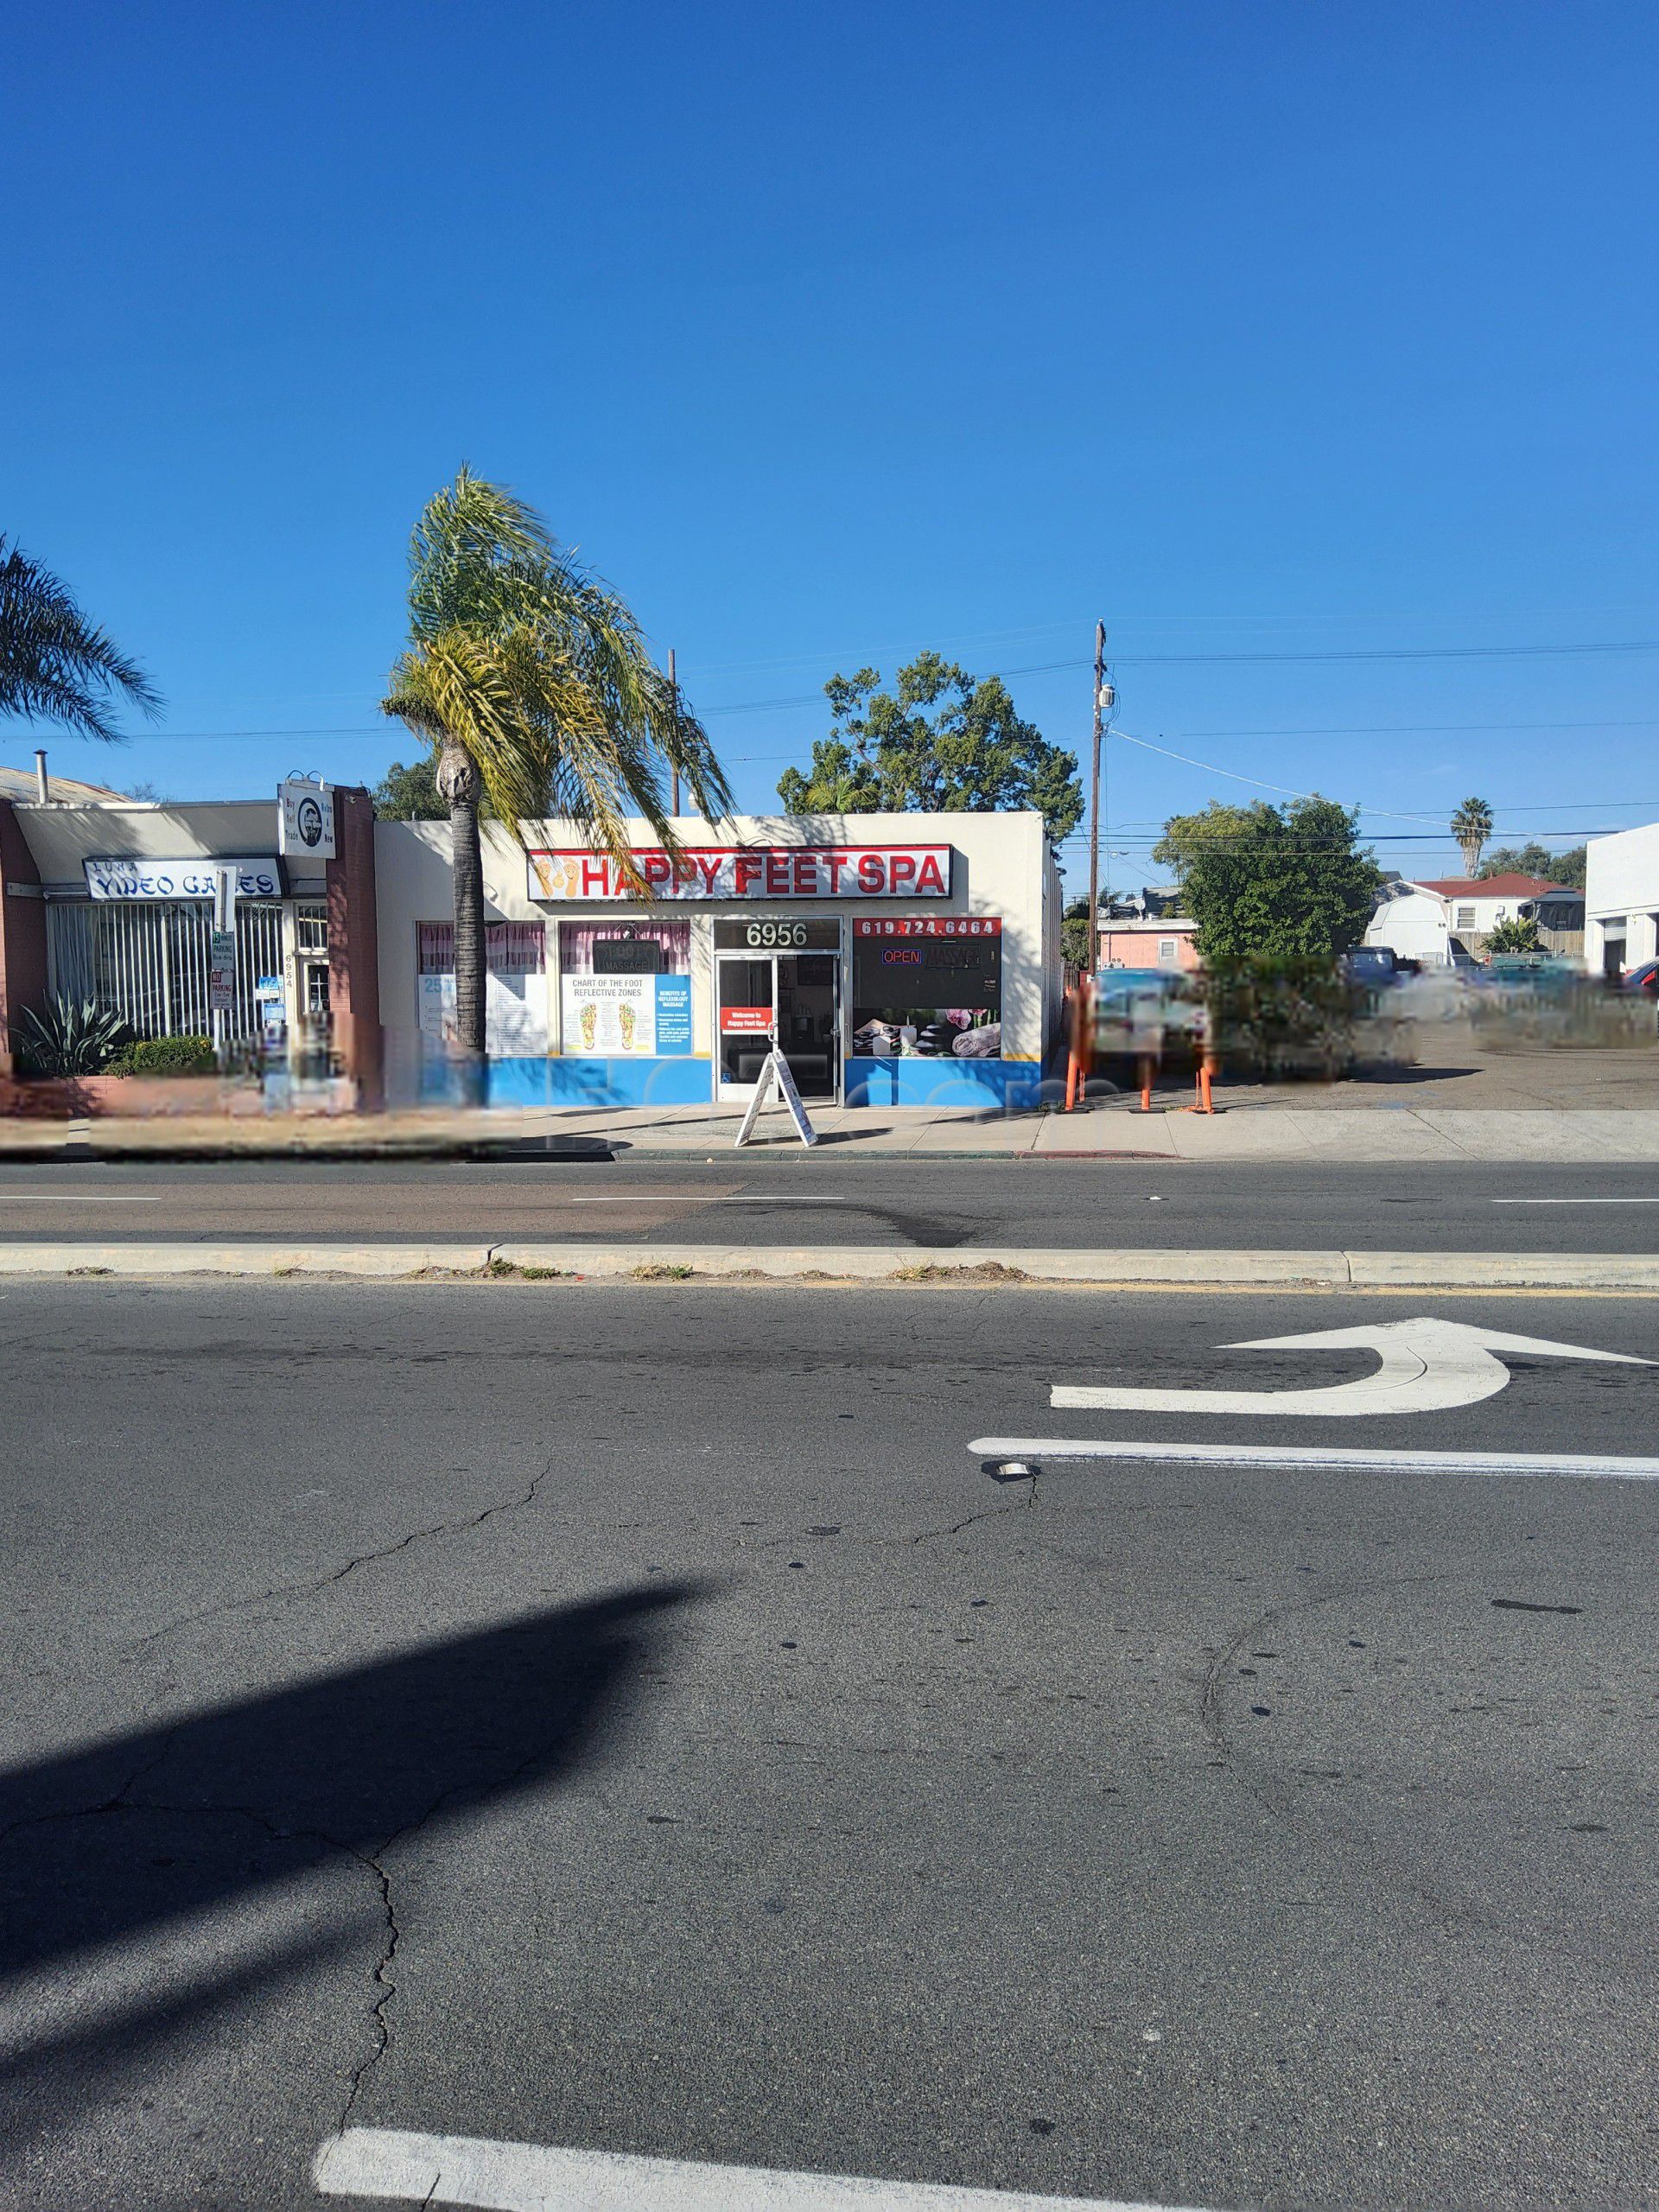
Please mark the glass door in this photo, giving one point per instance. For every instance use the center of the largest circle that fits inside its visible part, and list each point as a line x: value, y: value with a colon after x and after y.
x: 809, y: 1021
x: 745, y: 1011
x: 796, y: 995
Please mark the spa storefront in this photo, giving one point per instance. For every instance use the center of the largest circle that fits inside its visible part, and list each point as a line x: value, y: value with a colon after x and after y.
x: 901, y: 960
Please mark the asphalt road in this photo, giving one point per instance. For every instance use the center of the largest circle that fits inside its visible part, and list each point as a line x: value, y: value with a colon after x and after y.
x: 1483, y: 1207
x: 636, y: 1720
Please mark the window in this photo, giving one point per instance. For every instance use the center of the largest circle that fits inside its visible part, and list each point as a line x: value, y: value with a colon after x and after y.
x: 1465, y: 920
x: 515, y: 997
x: 148, y: 962
x: 625, y: 948
x: 1166, y: 952
x: 511, y: 948
x: 929, y: 992
x: 311, y: 928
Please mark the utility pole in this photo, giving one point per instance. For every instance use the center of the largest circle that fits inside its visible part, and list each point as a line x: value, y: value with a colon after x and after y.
x: 1094, y: 804
x: 674, y: 687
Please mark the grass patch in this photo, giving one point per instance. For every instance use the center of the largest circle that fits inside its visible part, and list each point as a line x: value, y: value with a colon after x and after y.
x: 659, y: 1271
x: 986, y: 1271
x: 89, y: 1271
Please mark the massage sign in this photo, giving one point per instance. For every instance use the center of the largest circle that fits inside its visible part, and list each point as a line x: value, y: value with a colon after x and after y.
x: 759, y: 872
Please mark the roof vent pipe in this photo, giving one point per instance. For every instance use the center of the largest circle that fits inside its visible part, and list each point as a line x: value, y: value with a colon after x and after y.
x: 43, y: 790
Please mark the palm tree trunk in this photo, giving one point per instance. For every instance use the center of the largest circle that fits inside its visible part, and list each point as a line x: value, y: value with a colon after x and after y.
x: 458, y: 782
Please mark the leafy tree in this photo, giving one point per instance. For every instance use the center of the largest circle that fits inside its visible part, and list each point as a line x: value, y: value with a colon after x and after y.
x: 1271, y: 881
x: 1187, y: 837
x: 1534, y: 858
x: 56, y: 666
x: 529, y: 679
x: 1074, y: 948
x: 1514, y: 935
x: 1569, y: 868
x: 1471, y: 825
x: 941, y: 740
x: 409, y: 793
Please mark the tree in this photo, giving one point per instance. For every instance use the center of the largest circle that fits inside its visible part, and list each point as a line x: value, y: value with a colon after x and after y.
x: 1074, y: 948
x: 528, y: 677
x: 56, y: 666
x: 408, y: 793
x: 1471, y: 825
x: 1186, y: 837
x: 941, y: 742
x: 1514, y: 935
x: 1278, y: 882
x: 1565, y: 869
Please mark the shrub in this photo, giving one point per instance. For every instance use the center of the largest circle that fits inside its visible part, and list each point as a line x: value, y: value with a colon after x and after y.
x: 71, y: 1037
x: 1277, y: 1017
x: 165, y: 1056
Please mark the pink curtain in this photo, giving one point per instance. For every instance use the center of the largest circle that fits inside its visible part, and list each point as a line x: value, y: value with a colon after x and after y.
x: 511, y: 948
x: 578, y: 940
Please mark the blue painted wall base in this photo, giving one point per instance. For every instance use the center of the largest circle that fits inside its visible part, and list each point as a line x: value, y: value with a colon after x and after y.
x: 685, y: 1080
x: 919, y: 1082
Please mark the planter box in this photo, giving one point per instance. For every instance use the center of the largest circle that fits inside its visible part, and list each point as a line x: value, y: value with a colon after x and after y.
x: 144, y: 1097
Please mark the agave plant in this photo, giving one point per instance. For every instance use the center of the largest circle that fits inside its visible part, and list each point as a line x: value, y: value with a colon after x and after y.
x: 72, y: 1037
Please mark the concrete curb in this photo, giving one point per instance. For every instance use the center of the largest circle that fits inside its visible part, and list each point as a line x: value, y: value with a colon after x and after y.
x: 881, y: 1263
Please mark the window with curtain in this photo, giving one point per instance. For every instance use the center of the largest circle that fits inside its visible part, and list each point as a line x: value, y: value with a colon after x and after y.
x: 670, y: 940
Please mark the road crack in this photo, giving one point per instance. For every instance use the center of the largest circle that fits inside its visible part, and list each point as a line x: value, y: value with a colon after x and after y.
x: 988, y: 1513
x: 341, y: 1574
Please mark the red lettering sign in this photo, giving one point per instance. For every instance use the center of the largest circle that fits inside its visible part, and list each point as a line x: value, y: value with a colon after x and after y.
x: 872, y: 874
x: 932, y: 878
x: 806, y: 874
x: 747, y: 872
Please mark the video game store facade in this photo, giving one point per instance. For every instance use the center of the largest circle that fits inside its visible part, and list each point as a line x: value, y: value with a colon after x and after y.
x: 902, y: 959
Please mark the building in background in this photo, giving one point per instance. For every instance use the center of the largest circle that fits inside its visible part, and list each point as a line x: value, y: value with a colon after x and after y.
x: 1621, y: 900
x: 1167, y: 941
x: 111, y: 899
x: 1445, y: 921
x: 904, y: 960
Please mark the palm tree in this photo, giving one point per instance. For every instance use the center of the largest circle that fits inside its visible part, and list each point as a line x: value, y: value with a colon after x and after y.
x: 54, y: 664
x: 529, y: 679
x: 1471, y: 825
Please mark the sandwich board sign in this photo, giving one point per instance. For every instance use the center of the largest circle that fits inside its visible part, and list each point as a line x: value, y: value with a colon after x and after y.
x: 776, y: 1079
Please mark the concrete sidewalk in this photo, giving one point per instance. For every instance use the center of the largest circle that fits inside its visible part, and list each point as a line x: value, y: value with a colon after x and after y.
x: 1292, y: 1128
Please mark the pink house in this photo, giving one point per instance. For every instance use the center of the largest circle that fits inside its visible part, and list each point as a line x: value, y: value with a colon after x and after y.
x: 1145, y: 943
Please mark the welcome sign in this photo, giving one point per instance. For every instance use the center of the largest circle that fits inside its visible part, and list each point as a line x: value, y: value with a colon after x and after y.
x: 736, y: 871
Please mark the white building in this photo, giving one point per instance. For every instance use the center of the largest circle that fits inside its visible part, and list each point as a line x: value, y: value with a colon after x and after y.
x: 1621, y: 900
x: 1444, y: 921
x: 903, y: 959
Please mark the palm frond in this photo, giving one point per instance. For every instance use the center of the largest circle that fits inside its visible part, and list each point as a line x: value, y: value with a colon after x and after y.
x: 538, y: 669
x: 55, y: 665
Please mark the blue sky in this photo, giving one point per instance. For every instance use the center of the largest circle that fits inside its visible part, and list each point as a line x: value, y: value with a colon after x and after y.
x: 830, y: 333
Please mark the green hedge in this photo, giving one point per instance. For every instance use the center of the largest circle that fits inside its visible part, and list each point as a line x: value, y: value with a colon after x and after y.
x: 166, y: 1055
x: 1284, y: 1017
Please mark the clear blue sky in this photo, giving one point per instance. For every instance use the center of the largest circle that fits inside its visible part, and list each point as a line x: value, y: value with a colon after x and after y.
x: 828, y: 333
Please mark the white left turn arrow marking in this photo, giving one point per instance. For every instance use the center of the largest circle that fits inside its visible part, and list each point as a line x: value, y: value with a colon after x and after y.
x: 1424, y: 1366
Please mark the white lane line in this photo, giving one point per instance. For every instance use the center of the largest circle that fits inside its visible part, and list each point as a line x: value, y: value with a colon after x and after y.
x: 1575, y: 1202
x: 394, y: 2162
x: 75, y: 1198
x: 1347, y: 1461
x: 705, y: 1198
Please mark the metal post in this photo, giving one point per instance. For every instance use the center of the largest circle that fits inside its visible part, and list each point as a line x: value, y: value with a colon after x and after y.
x: 1094, y: 807
x: 42, y: 789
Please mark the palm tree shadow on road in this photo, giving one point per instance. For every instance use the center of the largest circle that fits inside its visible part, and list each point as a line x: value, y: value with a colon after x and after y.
x: 144, y: 1830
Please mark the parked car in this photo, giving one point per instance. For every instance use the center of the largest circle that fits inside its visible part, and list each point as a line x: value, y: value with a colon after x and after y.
x: 1644, y: 979
x: 1372, y: 963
